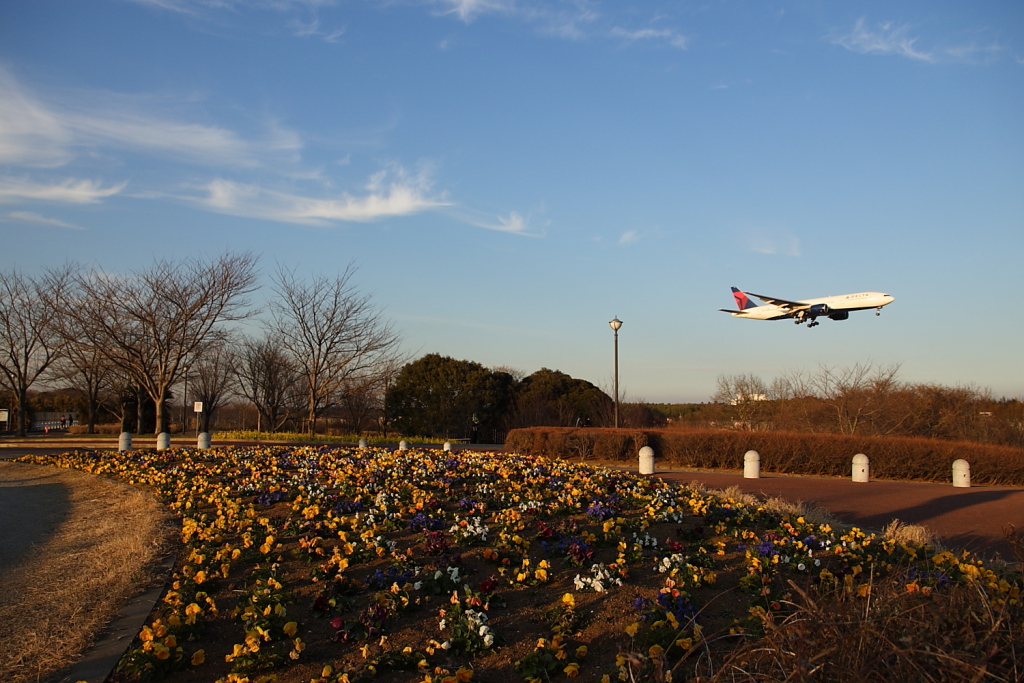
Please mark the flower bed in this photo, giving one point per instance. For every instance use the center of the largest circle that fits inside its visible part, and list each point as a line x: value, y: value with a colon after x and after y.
x: 341, y: 565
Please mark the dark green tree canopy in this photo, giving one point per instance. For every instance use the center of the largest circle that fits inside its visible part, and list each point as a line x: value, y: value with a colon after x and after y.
x: 438, y: 396
x: 553, y: 398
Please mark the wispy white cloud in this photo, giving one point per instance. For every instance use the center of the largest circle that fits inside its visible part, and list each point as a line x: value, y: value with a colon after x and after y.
x: 514, y: 223
x: 669, y: 36
x: 384, y: 197
x: 629, y: 237
x: 569, y: 20
x: 40, y: 134
x: 886, y: 38
x: 30, y: 134
x: 68, y: 191
x: 313, y: 29
x: 771, y: 241
x: 35, y: 218
x: 468, y: 10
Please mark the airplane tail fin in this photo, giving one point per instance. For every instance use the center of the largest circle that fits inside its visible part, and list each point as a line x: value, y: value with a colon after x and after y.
x: 743, y: 302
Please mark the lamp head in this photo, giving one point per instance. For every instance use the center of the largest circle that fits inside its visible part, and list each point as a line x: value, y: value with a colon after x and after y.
x: 615, y: 323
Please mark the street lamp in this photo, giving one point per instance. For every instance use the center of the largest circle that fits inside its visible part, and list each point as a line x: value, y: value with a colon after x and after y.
x: 616, y: 324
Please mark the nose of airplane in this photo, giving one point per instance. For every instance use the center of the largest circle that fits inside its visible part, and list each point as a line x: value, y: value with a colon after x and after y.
x: 888, y: 299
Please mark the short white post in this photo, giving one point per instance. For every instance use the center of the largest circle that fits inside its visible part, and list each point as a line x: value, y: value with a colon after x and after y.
x: 861, y: 471
x: 124, y: 442
x: 203, y: 441
x: 362, y: 443
x: 163, y: 441
x: 646, y: 460
x: 447, y: 446
x: 961, y: 474
x: 402, y: 445
x: 751, y: 465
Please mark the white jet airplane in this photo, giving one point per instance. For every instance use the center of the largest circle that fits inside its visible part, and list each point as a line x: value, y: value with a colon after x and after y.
x: 808, y: 310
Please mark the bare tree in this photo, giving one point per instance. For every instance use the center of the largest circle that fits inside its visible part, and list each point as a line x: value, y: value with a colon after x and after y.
x: 150, y: 321
x: 749, y: 397
x: 856, y: 395
x: 83, y: 366
x: 213, y: 380
x: 267, y: 377
x: 29, y: 336
x: 335, y: 335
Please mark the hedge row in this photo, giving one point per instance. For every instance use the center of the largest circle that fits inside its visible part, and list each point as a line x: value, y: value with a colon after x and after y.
x: 781, y: 452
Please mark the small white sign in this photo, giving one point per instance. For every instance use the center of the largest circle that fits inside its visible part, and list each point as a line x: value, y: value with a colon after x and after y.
x: 4, y: 416
x: 198, y: 407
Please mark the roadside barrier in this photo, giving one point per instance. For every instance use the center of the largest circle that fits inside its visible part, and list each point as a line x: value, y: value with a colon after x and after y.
x: 961, y: 474
x: 751, y: 465
x: 646, y: 460
x: 861, y: 468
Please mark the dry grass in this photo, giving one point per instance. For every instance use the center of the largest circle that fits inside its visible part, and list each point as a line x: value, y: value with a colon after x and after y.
x: 914, y: 534
x: 957, y: 634
x: 815, y: 514
x: 68, y: 588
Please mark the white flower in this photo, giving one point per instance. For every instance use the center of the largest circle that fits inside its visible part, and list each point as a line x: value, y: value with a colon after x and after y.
x: 488, y: 640
x: 801, y: 566
x: 442, y: 624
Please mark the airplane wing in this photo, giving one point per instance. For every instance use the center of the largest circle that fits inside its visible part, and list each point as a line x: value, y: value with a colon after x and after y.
x: 782, y: 303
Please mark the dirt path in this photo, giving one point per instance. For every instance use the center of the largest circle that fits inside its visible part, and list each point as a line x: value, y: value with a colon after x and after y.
x: 73, y: 549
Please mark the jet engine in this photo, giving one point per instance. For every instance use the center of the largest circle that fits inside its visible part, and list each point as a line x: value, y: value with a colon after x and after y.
x: 839, y: 315
x: 817, y: 309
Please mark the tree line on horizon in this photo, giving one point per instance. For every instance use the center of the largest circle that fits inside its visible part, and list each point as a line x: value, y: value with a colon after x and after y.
x: 130, y: 348
x: 320, y: 357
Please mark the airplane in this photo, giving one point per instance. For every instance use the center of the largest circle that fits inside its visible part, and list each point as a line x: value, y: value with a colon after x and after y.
x: 808, y: 310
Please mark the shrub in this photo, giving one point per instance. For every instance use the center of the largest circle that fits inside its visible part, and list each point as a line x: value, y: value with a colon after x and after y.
x: 785, y: 452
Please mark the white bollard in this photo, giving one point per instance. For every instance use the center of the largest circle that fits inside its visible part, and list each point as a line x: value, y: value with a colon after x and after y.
x: 402, y: 445
x: 861, y: 471
x: 646, y: 460
x: 124, y: 442
x: 362, y: 443
x: 961, y: 474
x: 163, y: 441
x: 447, y: 446
x: 751, y: 465
x: 203, y: 441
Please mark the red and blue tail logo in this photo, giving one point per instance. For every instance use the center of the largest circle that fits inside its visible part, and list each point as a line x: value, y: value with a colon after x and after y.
x: 743, y: 302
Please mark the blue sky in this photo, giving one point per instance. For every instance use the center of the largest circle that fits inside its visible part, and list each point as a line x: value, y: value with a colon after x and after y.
x: 508, y: 175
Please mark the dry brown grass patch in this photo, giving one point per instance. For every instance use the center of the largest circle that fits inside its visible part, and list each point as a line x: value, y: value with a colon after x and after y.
x: 69, y: 586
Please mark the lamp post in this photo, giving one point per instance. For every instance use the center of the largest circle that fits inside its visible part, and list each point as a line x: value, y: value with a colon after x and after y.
x: 616, y: 324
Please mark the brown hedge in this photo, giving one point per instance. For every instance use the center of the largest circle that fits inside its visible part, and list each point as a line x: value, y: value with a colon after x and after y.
x: 781, y: 452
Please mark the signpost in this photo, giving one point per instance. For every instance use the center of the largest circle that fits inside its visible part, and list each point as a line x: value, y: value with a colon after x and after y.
x: 197, y: 408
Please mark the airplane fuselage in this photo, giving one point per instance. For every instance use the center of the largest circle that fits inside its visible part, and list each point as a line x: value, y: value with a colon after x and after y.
x: 844, y: 302
x: 806, y: 310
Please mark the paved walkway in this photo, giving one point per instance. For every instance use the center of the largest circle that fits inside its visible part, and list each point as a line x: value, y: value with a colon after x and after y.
x: 970, y: 518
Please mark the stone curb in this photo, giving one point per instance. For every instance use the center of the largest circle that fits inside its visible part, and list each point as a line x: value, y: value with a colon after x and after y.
x: 97, y: 665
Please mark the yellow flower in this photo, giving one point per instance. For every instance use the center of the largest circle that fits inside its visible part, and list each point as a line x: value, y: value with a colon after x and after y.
x: 463, y: 675
x: 581, y: 652
x: 633, y: 628
x: 290, y: 629
x: 198, y: 657
x: 327, y: 671
x: 572, y: 671
x: 569, y: 600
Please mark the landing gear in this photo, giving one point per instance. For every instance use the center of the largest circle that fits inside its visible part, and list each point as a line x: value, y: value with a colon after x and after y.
x: 878, y: 311
x: 812, y: 324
